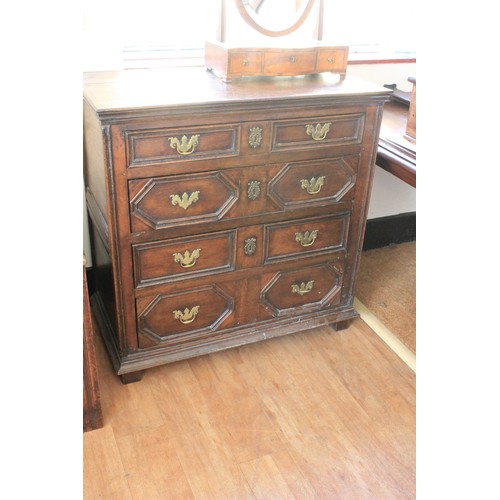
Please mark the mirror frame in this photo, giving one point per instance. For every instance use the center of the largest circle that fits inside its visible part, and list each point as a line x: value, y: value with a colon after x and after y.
x: 253, y: 23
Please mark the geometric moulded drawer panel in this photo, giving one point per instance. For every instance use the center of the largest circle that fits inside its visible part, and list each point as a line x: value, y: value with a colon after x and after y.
x: 315, y: 182
x: 179, y: 316
x: 301, y: 238
x: 309, y: 288
x: 162, y: 202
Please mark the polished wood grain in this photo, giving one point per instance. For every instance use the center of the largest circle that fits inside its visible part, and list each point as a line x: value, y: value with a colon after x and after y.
x: 267, y: 162
x: 322, y: 415
x: 394, y: 159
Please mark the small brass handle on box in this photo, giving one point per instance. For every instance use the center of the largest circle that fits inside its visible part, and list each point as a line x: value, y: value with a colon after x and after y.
x: 184, y: 146
x: 318, y: 132
x: 303, y: 288
x: 306, y: 239
x: 187, y: 316
x: 331, y: 60
x: 313, y: 185
x: 292, y: 59
x: 245, y: 62
x: 187, y: 259
x: 185, y: 200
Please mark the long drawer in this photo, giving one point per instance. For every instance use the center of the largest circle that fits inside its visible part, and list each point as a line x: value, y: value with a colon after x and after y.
x: 243, y: 248
x: 196, y: 312
x: 163, y: 202
x: 230, y: 142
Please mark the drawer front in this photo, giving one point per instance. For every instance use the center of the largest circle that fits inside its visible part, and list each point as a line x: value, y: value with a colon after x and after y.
x: 314, y: 132
x: 162, y: 202
x: 315, y: 182
x: 306, y: 237
x: 310, y: 288
x: 332, y: 60
x: 159, y: 262
x: 164, y: 318
x: 245, y: 63
x: 289, y: 61
x: 178, y: 144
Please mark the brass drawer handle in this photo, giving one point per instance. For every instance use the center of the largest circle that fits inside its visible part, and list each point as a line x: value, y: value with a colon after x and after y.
x: 187, y: 316
x: 306, y: 239
x: 303, y: 288
x: 185, y: 200
x: 318, y: 132
x: 292, y: 59
x: 313, y: 186
x: 246, y: 62
x: 331, y: 60
x: 187, y: 259
x: 184, y: 146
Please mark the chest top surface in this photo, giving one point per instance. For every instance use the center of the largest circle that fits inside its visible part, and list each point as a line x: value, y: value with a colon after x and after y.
x: 121, y: 94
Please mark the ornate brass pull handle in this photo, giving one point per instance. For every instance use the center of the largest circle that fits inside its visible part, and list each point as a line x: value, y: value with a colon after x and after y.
x: 331, y: 60
x: 318, y: 132
x: 187, y: 259
x: 303, y: 288
x: 292, y: 59
x: 312, y: 186
x: 245, y: 62
x: 187, y: 316
x: 185, y: 200
x: 306, y: 239
x: 184, y: 146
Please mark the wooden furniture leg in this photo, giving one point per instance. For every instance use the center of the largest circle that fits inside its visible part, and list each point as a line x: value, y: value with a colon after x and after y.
x: 129, y: 378
x: 341, y: 325
x: 92, y: 412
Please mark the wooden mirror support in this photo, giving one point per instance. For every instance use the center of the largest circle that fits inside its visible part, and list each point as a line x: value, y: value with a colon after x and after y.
x: 229, y: 59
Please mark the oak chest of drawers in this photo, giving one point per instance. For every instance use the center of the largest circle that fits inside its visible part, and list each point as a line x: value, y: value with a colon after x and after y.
x: 223, y: 214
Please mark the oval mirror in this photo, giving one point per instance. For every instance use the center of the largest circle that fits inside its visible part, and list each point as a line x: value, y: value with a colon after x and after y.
x: 275, y: 17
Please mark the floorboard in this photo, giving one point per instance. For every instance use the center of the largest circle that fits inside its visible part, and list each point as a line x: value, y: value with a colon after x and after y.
x: 318, y: 414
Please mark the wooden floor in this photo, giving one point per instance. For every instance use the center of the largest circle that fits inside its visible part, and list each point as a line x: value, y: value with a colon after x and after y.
x: 322, y: 414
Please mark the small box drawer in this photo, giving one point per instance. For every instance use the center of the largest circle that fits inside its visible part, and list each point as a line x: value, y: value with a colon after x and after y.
x: 310, y: 288
x: 245, y: 63
x: 316, y: 132
x: 167, y: 145
x: 289, y: 61
x: 306, y: 237
x: 332, y: 59
x: 162, y: 261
